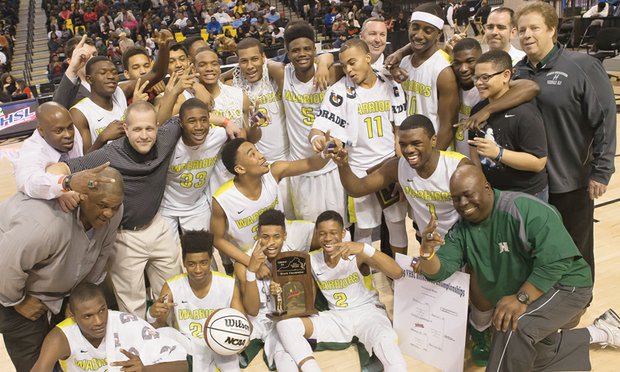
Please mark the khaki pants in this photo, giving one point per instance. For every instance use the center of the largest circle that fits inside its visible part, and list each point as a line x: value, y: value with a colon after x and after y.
x: 152, y: 250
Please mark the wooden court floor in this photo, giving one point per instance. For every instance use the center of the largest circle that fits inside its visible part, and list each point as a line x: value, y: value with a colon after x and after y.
x: 607, y: 235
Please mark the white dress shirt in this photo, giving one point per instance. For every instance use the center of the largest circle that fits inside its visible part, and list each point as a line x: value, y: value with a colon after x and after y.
x: 34, y: 156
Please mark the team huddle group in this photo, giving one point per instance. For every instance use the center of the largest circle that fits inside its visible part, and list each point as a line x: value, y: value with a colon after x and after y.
x: 310, y: 156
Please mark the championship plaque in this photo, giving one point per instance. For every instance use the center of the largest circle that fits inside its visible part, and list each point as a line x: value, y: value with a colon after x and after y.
x: 293, y: 272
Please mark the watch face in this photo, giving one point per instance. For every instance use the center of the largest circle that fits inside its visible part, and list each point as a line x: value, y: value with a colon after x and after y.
x: 523, y: 297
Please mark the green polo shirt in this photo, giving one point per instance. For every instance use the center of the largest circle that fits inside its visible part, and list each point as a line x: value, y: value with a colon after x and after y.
x: 522, y: 240
x: 547, y: 58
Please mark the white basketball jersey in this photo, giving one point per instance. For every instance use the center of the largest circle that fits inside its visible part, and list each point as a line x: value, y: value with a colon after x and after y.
x: 192, y: 312
x: 274, y: 141
x: 431, y: 195
x: 229, y: 104
x: 84, y: 356
x: 189, y: 172
x: 343, y: 286
x: 302, y: 103
x: 363, y: 117
x: 242, y: 213
x: 421, y: 85
x: 468, y: 98
x: 98, y: 118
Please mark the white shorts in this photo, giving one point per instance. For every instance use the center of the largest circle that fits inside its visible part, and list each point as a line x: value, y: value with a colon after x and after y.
x: 368, y: 322
x: 199, y: 220
x: 264, y: 329
x: 313, y: 195
x: 299, y: 235
x: 366, y: 211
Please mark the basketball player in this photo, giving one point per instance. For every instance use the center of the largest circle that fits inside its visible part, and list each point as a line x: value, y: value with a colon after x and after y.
x: 431, y: 86
x: 423, y: 172
x: 240, y: 201
x: 105, y: 105
x: 364, y: 96
x: 179, y: 65
x: 137, y: 64
x: 263, y: 86
x: 256, y: 293
x: 340, y: 270
x: 195, y: 295
x: 228, y: 109
x: 74, y: 87
x: 94, y: 338
x: 186, y: 199
x: 313, y: 192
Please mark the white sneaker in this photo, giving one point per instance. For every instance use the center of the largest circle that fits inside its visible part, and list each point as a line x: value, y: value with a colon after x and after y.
x: 609, y: 322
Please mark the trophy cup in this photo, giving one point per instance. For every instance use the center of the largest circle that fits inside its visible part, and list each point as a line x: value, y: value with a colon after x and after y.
x: 292, y: 271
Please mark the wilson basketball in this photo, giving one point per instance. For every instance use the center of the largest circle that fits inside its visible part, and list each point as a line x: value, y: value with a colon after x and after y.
x: 227, y: 331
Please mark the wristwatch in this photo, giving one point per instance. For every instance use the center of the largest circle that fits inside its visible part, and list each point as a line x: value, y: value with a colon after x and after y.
x: 66, y: 183
x: 523, y: 298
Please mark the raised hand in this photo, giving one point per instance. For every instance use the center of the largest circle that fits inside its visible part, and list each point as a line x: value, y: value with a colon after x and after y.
x: 69, y: 201
x: 134, y: 364
x: 162, y: 37
x: 257, y: 259
x: 431, y: 238
x: 138, y: 91
x: 485, y: 147
x: 78, y: 59
x: 89, y: 179
x: 162, y: 307
x: 114, y: 130
x: 347, y: 249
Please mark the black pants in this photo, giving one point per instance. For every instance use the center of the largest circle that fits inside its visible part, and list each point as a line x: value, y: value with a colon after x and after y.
x: 577, y: 210
x: 22, y: 337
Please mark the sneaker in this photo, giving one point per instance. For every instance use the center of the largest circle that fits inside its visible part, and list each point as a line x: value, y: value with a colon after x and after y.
x: 609, y: 322
x: 481, y: 345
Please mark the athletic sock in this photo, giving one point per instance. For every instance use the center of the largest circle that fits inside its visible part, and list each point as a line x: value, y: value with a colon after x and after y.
x: 284, y: 362
x: 597, y: 336
x: 310, y: 366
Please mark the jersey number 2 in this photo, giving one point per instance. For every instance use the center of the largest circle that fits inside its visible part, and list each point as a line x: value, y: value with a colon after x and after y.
x: 341, y: 299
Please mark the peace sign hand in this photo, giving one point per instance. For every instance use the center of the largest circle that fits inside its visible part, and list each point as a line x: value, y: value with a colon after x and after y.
x: 134, y: 364
x: 139, y: 93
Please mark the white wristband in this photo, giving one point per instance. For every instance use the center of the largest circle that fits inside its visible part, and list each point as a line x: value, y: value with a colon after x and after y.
x: 313, y: 138
x: 250, y: 276
x: 150, y: 318
x: 369, y: 250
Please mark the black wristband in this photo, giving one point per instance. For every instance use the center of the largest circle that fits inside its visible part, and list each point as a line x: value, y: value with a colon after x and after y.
x: 66, y: 183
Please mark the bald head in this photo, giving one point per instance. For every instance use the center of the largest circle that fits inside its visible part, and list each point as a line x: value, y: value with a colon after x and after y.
x: 56, y: 126
x: 471, y: 194
x: 103, y: 202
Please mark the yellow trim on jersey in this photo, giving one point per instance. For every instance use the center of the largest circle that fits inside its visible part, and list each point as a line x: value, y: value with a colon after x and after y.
x: 290, y: 222
x: 66, y: 323
x: 225, y: 187
x: 351, y: 210
x: 367, y: 279
x: 446, y: 55
x: 217, y: 273
x: 316, y: 251
x: 452, y: 154
x: 177, y: 277
x: 63, y: 364
x: 72, y: 107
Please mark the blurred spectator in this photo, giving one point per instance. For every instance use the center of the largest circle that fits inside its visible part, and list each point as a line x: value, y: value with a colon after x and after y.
x: 273, y: 16
x: 251, y: 6
x: 191, y: 29
x: 106, y: 20
x: 22, y: 91
x: 238, y: 21
x: 181, y: 20
x: 54, y: 31
x: 222, y: 17
x: 599, y: 10
x: 339, y: 26
x: 8, y: 83
x: 214, y: 27
x: 239, y: 8
x: 352, y: 30
x: 66, y: 34
x: 65, y: 13
x: 329, y: 20
x: 54, y: 43
x: 254, y: 32
x: 90, y: 15
x: 101, y: 7
x: 55, y: 69
x: 124, y: 42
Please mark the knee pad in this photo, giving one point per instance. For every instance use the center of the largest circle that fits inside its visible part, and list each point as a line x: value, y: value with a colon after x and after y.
x: 292, y: 326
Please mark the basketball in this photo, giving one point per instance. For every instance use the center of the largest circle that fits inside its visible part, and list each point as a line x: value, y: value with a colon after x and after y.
x: 227, y: 331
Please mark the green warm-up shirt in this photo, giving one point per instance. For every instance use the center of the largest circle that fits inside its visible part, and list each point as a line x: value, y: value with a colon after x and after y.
x: 522, y: 240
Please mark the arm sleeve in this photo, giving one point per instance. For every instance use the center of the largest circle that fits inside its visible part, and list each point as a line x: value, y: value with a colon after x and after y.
x: 450, y: 16
x: 21, y: 251
x: 599, y: 108
x: 66, y: 92
x: 451, y: 255
x: 552, y: 248
x: 31, y: 178
x: 91, y: 160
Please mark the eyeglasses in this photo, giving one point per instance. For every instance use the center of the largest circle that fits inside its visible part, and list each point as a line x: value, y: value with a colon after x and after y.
x: 485, y: 77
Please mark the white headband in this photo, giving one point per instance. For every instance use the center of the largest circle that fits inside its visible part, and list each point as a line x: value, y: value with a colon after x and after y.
x: 428, y: 18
